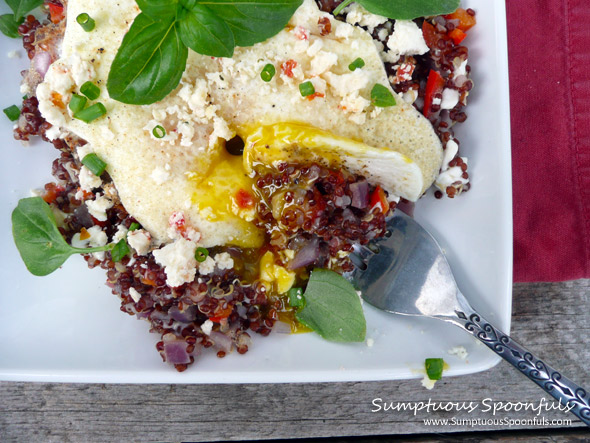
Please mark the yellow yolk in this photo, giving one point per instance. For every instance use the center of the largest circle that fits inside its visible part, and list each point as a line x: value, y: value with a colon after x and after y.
x: 273, y: 274
x: 223, y: 194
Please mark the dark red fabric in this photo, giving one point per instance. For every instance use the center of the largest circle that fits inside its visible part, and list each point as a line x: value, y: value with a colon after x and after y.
x: 549, y: 59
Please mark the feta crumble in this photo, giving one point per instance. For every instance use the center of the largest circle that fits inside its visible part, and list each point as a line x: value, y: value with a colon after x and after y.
x: 136, y: 296
x: 98, y: 207
x: 178, y: 259
x: 140, y: 240
x: 88, y: 181
x: 207, y: 327
x: 407, y: 39
x: 459, y: 351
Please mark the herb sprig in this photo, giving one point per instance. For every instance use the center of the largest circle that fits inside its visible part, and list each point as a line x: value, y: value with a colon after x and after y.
x: 331, y: 307
x: 152, y: 57
x: 403, y: 9
x: 9, y: 23
x: 38, y: 240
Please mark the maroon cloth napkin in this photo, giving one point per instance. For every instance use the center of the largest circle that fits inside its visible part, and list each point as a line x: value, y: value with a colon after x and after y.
x: 549, y: 60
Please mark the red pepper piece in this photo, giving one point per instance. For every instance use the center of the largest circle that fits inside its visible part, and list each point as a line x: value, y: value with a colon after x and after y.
x: 434, y: 85
x: 466, y: 20
x: 56, y: 13
x: 379, y: 199
x: 457, y: 35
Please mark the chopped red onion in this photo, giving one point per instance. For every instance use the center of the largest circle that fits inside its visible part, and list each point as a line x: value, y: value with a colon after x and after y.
x: 306, y: 255
x: 41, y: 62
x: 175, y: 352
x: 221, y: 341
x: 186, y: 316
x: 360, y: 194
x: 281, y: 328
x: 406, y: 207
x: 460, y: 80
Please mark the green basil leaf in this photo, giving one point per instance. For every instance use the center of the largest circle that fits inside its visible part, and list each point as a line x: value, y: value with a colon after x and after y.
x: 38, y: 240
x: 206, y: 33
x: 382, y: 97
x: 120, y: 250
x: 409, y: 9
x: 159, y: 9
x: 23, y: 7
x: 149, y: 63
x: 434, y: 368
x: 253, y: 21
x: 9, y: 26
x: 333, y: 308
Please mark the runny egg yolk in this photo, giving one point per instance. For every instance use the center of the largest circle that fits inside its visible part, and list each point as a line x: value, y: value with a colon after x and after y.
x: 225, y: 194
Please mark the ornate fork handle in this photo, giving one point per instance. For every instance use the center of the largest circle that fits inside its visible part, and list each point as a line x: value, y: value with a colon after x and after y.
x: 560, y: 387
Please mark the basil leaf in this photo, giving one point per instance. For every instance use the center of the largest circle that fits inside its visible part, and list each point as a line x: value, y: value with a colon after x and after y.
x: 149, y: 63
x: 332, y: 308
x: 23, y: 7
x: 206, y: 33
x: 382, y: 97
x: 253, y: 21
x: 409, y: 9
x: 434, y: 368
x: 38, y: 240
x: 120, y: 250
x: 159, y: 9
x: 9, y: 26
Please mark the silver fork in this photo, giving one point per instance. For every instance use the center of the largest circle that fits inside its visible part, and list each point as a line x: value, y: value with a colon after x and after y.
x: 407, y: 273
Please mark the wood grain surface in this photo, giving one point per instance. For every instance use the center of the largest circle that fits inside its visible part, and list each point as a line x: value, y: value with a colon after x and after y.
x: 551, y: 319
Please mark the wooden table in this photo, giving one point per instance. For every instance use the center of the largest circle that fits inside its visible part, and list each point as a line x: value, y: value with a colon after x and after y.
x: 552, y: 319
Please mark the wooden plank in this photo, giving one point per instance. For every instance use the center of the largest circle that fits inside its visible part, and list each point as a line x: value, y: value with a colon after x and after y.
x: 552, y: 319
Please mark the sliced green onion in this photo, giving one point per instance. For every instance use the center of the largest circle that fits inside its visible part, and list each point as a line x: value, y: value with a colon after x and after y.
x: 91, y: 113
x: 159, y: 131
x: 201, y: 254
x: 90, y: 90
x: 86, y: 22
x: 306, y: 89
x: 268, y: 73
x: 357, y: 64
x: 434, y: 368
x: 12, y: 112
x: 95, y: 164
x: 120, y: 250
x: 134, y: 226
x: 296, y: 298
x: 77, y: 103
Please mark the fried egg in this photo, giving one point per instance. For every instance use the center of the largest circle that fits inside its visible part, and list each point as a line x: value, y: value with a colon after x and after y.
x: 189, y: 170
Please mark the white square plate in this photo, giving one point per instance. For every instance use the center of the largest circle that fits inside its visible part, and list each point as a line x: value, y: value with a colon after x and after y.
x: 67, y: 327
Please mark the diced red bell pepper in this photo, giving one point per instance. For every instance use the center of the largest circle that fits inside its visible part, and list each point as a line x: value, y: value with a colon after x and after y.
x: 56, y: 13
x: 434, y: 85
x: 221, y: 313
x: 244, y: 199
x: 431, y: 37
x: 379, y: 199
x: 466, y: 20
x: 457, y: 35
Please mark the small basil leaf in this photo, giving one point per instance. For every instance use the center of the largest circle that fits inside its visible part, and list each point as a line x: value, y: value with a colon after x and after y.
x: 120, y: 250
x: 38, y: 240
x: 8, y: 25
x: 23, y: 7
x: 332, y: 308
x: 149, y: 63
x: 253, y: 21
x: 159, y: 9
x: 382, y: 97
x: 409, y: 9
x: 206, y: 33
x: 434, y: 368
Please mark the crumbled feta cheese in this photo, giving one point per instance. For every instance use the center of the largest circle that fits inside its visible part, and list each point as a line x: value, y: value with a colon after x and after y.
x: 160, y: 175
x: 220, y: 130
x: 207, y: 327
x: 427, y: 383
x: 407, y: 39
x: 461, y: 69
x: 84, y: 150
x: 136, y: 296
x: 382, y: 34
x: 88, y: 181
x: 53, y: 133
x: 322, y: 62
x: 98, y: 207
x: 97, y: 237
x: 356, y: 14
x: 224, y: 261
x: 120, y: 234
x: 207, y: 267
x: 343, y: 30
x: 13, y: 54
x: 140, y: 240
x: 370, y: 342
x: 178, y: 259
x: 450, y: 98
x: 315, y: 47
x: 82, y: 71
x: 459, y: 351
